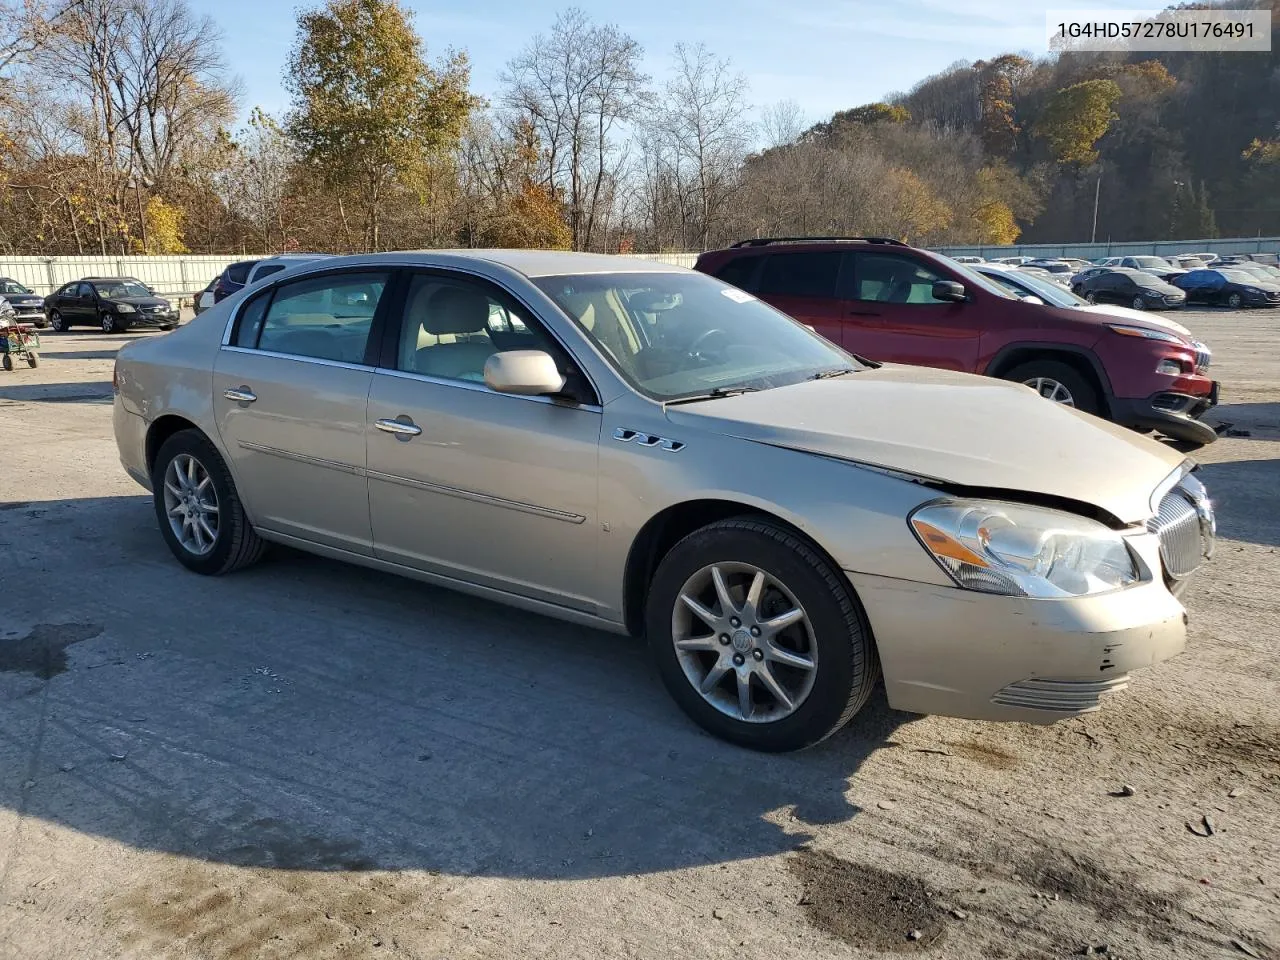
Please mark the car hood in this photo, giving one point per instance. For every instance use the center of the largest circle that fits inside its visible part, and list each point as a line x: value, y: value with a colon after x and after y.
x: 956, y: 428
x: 22, y: 299
x: 1136, y: 318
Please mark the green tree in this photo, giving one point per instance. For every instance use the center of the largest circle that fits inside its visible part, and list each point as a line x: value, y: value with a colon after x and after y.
x: 1191, y: 217
x: 369, y: 112
x: 1076, y: 118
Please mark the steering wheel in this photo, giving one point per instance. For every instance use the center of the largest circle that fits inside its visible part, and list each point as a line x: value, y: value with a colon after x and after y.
x: 695, y: 348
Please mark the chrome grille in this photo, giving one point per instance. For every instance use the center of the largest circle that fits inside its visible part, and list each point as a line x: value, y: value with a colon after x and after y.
x: 1204, y: 356
x: 1185, y: 525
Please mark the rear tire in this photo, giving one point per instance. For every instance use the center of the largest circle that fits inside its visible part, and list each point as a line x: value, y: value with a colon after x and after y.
x: 1083, y: 394
x: 7, y: 361
x: 235, y: 543
x: 33, y: 360
x: 838, y: 646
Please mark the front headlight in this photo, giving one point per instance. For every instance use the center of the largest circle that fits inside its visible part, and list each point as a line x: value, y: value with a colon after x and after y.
x: 1022, y: 551
x: 1255, y: 291
x: 125, y: 308
x: 1145, y: 333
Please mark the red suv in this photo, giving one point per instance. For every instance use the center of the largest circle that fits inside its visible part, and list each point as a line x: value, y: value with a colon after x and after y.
x: 887, y: 301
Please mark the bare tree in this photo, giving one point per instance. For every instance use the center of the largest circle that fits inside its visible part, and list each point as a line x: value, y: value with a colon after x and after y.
x: 705, y: 116
x: 781, y: 123
x: 578, y: 86
x: 256, y: 184
x: 27, y: 25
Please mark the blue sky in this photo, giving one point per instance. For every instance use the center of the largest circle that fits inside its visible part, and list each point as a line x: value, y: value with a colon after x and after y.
x: 826, y: 54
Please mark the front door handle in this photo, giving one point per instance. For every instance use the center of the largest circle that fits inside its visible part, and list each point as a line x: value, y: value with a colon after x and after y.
x: 240, y: 394
x: 403, y: 429
x: 863, y: 313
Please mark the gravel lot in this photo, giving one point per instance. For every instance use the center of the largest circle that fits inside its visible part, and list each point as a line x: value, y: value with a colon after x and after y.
x: 310, y: 760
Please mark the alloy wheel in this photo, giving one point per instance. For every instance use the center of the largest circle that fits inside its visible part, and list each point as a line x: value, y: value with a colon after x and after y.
x: 1235, y: 300
x: 108, y: 323
x: 1138, y: 303
x: 744, y: 642
x: 1051, y: 389
x: 191, y: 504
x: 56, y: 321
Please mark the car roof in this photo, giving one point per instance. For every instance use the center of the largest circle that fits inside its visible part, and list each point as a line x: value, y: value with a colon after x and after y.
x: 530, y: 263
x: 107, y: 280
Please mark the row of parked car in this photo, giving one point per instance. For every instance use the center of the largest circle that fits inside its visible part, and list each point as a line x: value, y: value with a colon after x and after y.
x: 112, y: 304
x: 1155, y: 283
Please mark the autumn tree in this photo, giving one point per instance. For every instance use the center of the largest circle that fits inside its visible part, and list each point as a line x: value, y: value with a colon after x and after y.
x: 703, y: 115
x: 578, y: 86
x: 1076, y: 118
x: 999, y: 126
x: 259, y: 178
x: 369, y: 112
x: 781, y: 123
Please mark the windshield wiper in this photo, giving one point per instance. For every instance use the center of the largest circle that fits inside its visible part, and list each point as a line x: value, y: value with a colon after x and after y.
x: 828, y: 374
x: 714, y: 394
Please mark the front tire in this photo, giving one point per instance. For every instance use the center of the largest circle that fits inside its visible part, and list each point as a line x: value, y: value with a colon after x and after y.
x: 1235, y: 301
x: 1057, y: 381
x: 758, y: 638
x: 199, y: 510
x: 1091, y: 297
x: 109, y: 323
x: 58, y: 322
x: 1138, y: 303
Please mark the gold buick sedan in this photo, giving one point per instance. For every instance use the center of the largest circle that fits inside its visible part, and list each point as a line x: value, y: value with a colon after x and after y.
x: 647, y: 450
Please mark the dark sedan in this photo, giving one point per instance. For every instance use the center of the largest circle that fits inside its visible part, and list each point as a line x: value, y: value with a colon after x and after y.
x: 113, y: 304
x: 1230, y: 288
x: 1131, y: 288
x: 28, y: 306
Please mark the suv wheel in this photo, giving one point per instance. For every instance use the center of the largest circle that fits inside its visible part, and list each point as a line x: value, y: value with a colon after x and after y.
x: 1057, y: 381
x: 201, y: 517
x: 1138, y: 303
x: 757, y: 637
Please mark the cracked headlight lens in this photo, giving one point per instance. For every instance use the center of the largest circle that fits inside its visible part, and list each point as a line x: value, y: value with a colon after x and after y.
x: 1023, y: 551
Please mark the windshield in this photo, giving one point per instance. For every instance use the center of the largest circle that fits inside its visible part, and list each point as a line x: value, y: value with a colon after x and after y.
x: 1048, y: 291
x: 1240, y: 276
x: 674, y: 335
x: 9, y: 286
x: 1152, y: 263
x: 117, y: 289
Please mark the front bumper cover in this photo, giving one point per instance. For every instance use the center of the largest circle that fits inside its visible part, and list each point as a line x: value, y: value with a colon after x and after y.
x: 1171, y: 412
x: 959, y: 653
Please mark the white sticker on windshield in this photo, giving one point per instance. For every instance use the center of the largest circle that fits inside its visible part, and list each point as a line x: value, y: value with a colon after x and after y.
x: 737, y: 296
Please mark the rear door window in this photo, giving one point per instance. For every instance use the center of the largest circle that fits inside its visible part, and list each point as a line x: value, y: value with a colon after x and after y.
x: 323, y: 318
x: 800, y: 274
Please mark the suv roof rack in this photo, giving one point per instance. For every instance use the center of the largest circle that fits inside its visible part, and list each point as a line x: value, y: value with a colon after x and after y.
x: 765, y: 241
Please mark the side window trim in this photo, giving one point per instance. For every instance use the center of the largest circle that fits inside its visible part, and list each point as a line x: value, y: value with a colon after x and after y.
x: 388, y: 360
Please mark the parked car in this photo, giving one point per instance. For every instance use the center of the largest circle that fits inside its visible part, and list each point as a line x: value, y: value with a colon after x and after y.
x: 1265, y: 273
x: 28, y: 306
x: 1188, y: 263
x: 968, y: 260
x: 204, y: 299
x: 232, y: 279
x: 1050, y: 266
x: 1023, y: 285
x: 1013, y: 261
x: 1156, y: 266
x: 265, y: 268
x: 890, y: 302
x: 1060, y: 278
x: 1135, y: 288
x: 1229, y: 287
x: 113, y: 304
x: 651, y: 451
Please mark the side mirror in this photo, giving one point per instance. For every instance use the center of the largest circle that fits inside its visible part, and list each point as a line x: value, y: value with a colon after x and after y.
x: 529, y: 373
x: 1033, y: 299
x: 949, y: 291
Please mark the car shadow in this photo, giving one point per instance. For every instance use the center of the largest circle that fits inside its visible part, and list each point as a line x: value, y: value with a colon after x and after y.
x: 307, y: 714
x: 1258, y: 421
x: 1244, y: 493
x: 79, y: 354
x: 74, y: 392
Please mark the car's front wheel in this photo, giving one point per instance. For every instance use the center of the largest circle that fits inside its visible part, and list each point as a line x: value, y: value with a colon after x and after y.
x: 200, y: 513
x: 1091, y: 297
x: 109, y: 323
x: 1138, y: 303
x: 58, y: 322
x: 758, y: 637
x: 1057, y: 381
x: 1235, y: 301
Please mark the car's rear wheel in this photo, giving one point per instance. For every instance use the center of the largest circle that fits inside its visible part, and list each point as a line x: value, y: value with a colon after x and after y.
x: 200, y: 513
x: 1057, y: 381
x: 58, y: 322
x: 1138, y: 303
x: 1235, y: 301
x: 758, y: 637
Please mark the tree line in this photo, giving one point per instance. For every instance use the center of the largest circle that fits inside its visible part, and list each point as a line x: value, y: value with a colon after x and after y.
x: 118, y: 135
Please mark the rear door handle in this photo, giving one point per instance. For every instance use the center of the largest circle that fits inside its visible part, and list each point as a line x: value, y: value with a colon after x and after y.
x: 240, y: 394
x: 863, y: 313
x: 403, y: 429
